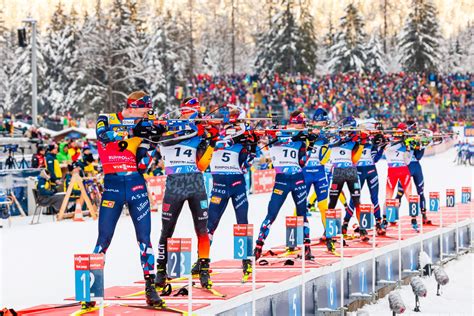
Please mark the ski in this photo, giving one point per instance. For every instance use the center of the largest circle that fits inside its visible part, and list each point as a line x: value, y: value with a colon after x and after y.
x: 84, y: 311
x: 350, y: 237
x: 42, y: 309
x: 288, y: 253
x: 163, y: 291
x: 210, y: 290
x: 163, y: 308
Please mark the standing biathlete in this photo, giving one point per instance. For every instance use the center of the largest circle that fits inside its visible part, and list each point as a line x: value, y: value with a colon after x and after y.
x: 289, y: 156
x: 345, y: 153
x: 314, y: 170
x: 417, y: 151
x: 184, y: 162
x: 232, y: 158
x: 125, y: 158
x: 398, y: 157
x: 367, y: 171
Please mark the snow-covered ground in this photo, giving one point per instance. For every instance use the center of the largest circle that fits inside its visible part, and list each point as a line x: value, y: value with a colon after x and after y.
x: 457, y: 297
x: 36, y: 263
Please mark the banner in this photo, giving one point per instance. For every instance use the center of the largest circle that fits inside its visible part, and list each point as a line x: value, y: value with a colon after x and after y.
x: 263, y: 181
x: 469, y: 131
x: 156, y: 191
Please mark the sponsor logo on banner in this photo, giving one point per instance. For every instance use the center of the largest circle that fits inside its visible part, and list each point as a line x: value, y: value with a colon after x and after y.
x: 108, y: 204
x: 138, y: 187
x: 216, y: 200
x: 263, y: 181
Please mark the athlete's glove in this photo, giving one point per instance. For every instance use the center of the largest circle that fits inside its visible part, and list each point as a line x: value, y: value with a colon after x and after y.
x: 241, y: 138
x: 213, y: 136
x: 145, y: 129
x: 364, y: 137
x: 301, y: 136
x: 378, y: 140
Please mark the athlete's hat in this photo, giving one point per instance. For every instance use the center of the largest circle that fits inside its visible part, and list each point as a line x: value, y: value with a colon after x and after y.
x: 402, y: 126
x: 320, y: 115
x: 297, y: 117
x: 139, y: 100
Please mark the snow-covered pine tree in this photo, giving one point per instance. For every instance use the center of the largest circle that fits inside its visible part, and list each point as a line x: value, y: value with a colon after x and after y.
x: 19, y: 92
x: 153, y: 57
x: 306, y: 45
x: 92, y: 58
x: 348, y: 50
x: 376, y: 60
x: 111, y: 57
x: 60, y: 54
x: 452, y: 55
x: 216, y: 41
x: 466, y: 46
x: 265, y: 53
x: 419, y: 40
x: 277, y: 48
x: 5, y: 61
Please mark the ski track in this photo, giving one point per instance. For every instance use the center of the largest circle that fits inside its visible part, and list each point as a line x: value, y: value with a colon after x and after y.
x: 37, y: 261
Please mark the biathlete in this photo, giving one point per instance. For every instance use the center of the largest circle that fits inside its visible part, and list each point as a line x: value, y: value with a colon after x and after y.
x: 232, y: 158
x: 125, y: 155
x: 314, y: 170
x: 417, y: 151
x: 184, y: 161
x: 289, y: 156
x: 345, y: 154
x: 398, y: 157
x: 372, y: 151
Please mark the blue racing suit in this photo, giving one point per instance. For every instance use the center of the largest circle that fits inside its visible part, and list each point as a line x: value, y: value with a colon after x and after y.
x: 367, y: 171
x: 228, y: 165
x: 315, y: 174
x: 124, y: 159
x: 289, y: 157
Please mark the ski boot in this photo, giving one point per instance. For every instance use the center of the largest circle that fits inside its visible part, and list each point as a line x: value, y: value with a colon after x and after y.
x: 380, y: 228
x: 195, y: 268
x: 87, y: 305
x: 247, y: 269
x: 161, y: 276
x: 204, y: 276
x: 307, y: 251
x: 414, y: 224
x: 330, y: 244
x: 363, y: 235
x: 323, y: 238
x: 344, y: 227
x: 356, y: 228
x: 257, y: 252
x: 152, y: 298
x: 426, y: 221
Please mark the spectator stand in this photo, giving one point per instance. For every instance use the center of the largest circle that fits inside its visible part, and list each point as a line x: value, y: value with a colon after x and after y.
x: 84, y: 197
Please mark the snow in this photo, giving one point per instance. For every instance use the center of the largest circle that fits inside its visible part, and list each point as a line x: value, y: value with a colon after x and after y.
x: 37, y: 261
